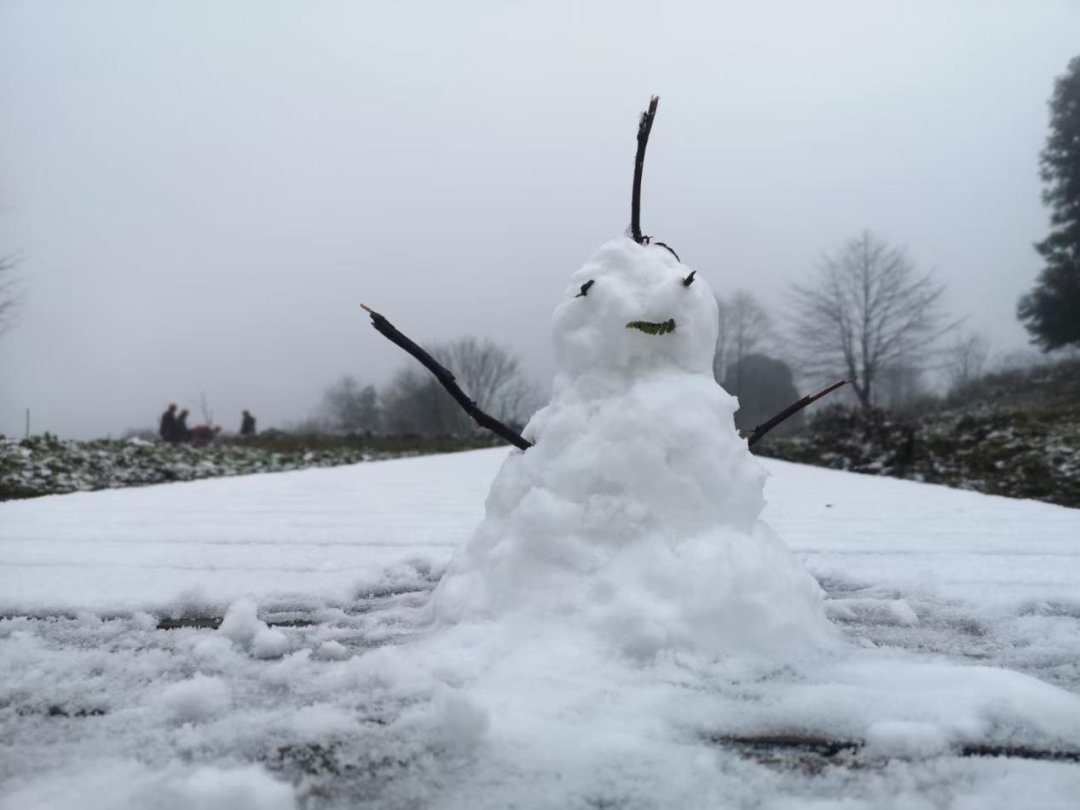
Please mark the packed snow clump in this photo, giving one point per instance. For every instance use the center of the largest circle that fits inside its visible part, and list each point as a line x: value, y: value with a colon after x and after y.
x: 241, y: 622
x: 636, y: 513
x: 196, y: 700
x: 244, y: 627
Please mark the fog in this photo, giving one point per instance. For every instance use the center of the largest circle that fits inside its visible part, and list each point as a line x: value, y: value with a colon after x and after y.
x: 203, y: 193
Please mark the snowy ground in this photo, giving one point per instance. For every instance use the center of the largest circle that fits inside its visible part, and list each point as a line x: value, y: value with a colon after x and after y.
x: 958, y: 686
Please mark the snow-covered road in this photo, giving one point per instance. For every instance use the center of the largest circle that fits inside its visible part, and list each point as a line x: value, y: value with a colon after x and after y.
x: 323, y: 534
x: 963, y: 613
x: 313, y: 536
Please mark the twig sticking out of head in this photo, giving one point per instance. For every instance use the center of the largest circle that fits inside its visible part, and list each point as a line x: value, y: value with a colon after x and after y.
x: 446, y: 379
x: 644, y: 128
x: 790, y: 411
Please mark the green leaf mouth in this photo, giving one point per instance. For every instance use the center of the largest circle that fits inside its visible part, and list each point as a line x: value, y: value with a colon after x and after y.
x: 653, y: 328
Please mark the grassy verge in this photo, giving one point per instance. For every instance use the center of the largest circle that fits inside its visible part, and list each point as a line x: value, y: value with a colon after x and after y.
x: 1015, y: 434
x: 45, y: 465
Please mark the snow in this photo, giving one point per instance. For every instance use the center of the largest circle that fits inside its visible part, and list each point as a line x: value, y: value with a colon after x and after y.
x: 269, y: 643
x: 633, y: 282
x: 367, y: 704
x: 129, y: 786
x: 196, y: 700
x: 626, y: 627
x: 310, y: 537
x: 241, y: 622
x: 242, y: 625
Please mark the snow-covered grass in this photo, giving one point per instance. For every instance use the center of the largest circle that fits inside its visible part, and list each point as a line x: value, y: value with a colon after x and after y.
x: 47, y: 465
x: 1015, y: 434
x: 326, y: 684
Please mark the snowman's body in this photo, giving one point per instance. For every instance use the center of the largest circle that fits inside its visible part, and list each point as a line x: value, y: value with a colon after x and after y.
x: 636, y: 513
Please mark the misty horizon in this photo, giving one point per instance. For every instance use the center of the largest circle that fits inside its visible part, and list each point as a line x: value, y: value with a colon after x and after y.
x: 201, y: 197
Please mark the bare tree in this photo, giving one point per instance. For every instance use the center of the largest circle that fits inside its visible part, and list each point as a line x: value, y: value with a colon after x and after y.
x: 415, y: 402
x: 490, y: 374
x: 867, y: 309
x: 349, y: 408
x: 204, y: 409
x: 744, y: 327
x: 965, y: 360
x: 9, y: 293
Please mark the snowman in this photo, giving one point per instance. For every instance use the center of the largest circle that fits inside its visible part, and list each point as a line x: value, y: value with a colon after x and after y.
x: 622, y: 588
x: 632, y: 508
x: 636, y: 512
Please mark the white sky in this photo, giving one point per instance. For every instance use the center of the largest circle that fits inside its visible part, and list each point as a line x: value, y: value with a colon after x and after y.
x: 204, y: 192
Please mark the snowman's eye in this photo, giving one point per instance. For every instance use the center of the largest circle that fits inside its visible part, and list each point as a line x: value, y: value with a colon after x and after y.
x: 686, y: 282
x: 585, y: 288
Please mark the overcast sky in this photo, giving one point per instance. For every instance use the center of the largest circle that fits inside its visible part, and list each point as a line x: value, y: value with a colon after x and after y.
x: 202, y: 193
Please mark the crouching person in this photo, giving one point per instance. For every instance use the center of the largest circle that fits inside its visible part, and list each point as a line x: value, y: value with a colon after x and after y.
x: 203, y: 434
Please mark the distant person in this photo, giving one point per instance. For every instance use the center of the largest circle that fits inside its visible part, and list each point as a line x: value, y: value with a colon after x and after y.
x: 167, y: 431
x: 247, y: 425
x: 183, y: 432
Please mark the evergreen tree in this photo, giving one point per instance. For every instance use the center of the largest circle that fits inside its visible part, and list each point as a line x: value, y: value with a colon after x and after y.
x: 764, y: 386
x: 1051, y: 311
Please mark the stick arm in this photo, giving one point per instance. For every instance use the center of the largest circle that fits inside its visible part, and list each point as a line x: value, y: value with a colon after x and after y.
x: 446, y: 379
x: 791, y: 410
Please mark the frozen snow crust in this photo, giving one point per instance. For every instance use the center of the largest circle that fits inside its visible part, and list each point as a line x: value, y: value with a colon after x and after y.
x: 636, y: 513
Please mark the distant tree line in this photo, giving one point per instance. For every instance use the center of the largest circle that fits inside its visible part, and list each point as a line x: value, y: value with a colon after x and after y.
x: 868, y: 314
x: 414, y: 404
x: 864, y: 313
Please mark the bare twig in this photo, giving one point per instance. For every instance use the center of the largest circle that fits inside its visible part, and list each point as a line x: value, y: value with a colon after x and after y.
x: 790, y: 411
x: 10, y: 297
x: 204, y: 408
x: 446, y: 379
x: 669, y: 249
x: 644, y: 128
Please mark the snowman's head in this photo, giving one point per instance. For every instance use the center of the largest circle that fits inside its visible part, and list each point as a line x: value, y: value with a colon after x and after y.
x: 630, y: 307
